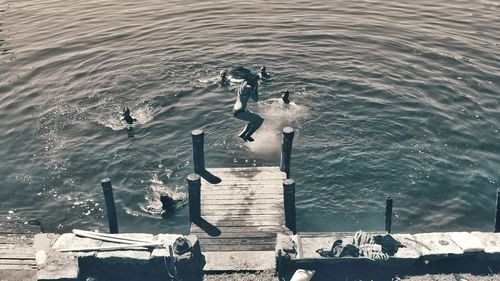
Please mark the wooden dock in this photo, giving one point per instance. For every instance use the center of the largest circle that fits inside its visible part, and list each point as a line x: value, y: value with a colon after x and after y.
x: 17, y: 255
x: 240, y: 218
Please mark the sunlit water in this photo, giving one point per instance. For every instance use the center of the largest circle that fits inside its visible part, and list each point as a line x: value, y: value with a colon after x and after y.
x: 397, y: 99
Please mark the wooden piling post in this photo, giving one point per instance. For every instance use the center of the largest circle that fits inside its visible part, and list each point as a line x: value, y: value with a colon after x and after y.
x: 388, y: 214
x: 286, y: 150
x: 110, y: 205
x: 198, y: 152
x: 497, y: 213
x: 289, y: 202
x: 194, y: 186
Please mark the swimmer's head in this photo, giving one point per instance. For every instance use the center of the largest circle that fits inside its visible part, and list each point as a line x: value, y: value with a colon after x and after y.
x: 262, y: 69
x: 223, y: 74
x: 285, y: 96
x: 126, y: 110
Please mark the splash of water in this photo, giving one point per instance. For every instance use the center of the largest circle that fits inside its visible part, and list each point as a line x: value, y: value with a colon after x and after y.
x: 155, y: 190
x: 143, y: 114
x: 276, y: 116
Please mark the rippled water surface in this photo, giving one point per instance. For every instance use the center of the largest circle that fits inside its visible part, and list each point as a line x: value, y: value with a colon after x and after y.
x: 397, y: 99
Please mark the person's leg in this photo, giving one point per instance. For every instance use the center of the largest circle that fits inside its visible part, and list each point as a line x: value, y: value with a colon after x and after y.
x: 254, y: 126
x: 245, y: 131
x: 255, y: 121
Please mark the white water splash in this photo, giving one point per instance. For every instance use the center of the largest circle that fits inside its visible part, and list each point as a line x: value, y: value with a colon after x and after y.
x: 276, y: 116
x: 155, y: 190
x: 143, y: 114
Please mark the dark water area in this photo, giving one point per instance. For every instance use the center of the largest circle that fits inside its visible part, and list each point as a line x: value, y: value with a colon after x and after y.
x: 397, y: 99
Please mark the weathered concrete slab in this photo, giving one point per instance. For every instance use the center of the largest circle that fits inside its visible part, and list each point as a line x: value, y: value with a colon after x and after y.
x: 70, y: 240
x: 169, y: 239
x: 127, y: 255
x: 311, y: 244
x: 467, y: 242
x: 124, y: 256
x: 490, y: 241
x: 52, y: 264
x: 57, y: 266
x: 436, y: 244
x: 411, y: 249
x: 237, y: 261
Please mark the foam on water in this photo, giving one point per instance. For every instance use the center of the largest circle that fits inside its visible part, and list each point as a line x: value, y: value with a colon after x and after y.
x: 277, y: 115
x: 143, y: 113
x: 152, y: 204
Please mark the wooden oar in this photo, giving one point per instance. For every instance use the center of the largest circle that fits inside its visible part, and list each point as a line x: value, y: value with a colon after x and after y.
x: 109, y: 248
x: 112, y: 238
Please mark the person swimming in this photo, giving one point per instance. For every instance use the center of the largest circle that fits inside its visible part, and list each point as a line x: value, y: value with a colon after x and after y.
x: 127, y: 117
x: 249, y: 88
x: 285, y: 97
x: 263, y: 74
x: 223, y: 79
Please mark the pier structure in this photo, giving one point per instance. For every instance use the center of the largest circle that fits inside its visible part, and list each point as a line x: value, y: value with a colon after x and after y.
x: 236, y: 213
x: 17, y: 255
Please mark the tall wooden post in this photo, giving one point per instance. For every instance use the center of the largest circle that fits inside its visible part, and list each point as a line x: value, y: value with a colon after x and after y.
x: 110, y: 205
x: 194, y: 186
x: 289, y: 201
x: 497, y: 213
x: 388, y: 214
x: 198, y: 153
x: 286, y: 150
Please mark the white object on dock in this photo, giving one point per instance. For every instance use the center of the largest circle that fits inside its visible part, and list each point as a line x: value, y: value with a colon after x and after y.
x: 113, y: 238
x: 303, y: 275
x: 109, y: 248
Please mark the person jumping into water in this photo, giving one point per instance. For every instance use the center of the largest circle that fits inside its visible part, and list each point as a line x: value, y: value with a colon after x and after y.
x: 127, y: 117
x: 249, y: 88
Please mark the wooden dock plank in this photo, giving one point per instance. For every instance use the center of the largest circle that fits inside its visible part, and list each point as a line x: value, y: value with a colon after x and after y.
x: 216, y: 218
x: 242, y: 229
x: 17, y: 256
x: 245, y: 206
x: 237, y: 235
x: 245, y: 169
x: 229, y: 202
x: 238, y: 241
x: 245, y: 212
x: 241, y: 212
x: 232, y: 248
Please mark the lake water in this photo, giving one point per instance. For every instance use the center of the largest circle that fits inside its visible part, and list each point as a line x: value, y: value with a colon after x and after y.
x: 395, y: 98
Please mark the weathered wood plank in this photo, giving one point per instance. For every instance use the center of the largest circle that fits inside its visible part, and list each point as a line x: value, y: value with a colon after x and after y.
x: 240, y: 181
x: 246, y: 202
x: 247, y: 223
x: 238, y: 235
x: 16, y: 267
x: 246, y: 188
x: 245, y: 169
x: 214, y: 218
x: 17, y: 262
x: 232, y: 248
x: 237, y: 241
x: 240, y: 212
x: 244, y: 177
x: 240, y: 195
x: 237, y: 207
x: 241, y: 229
